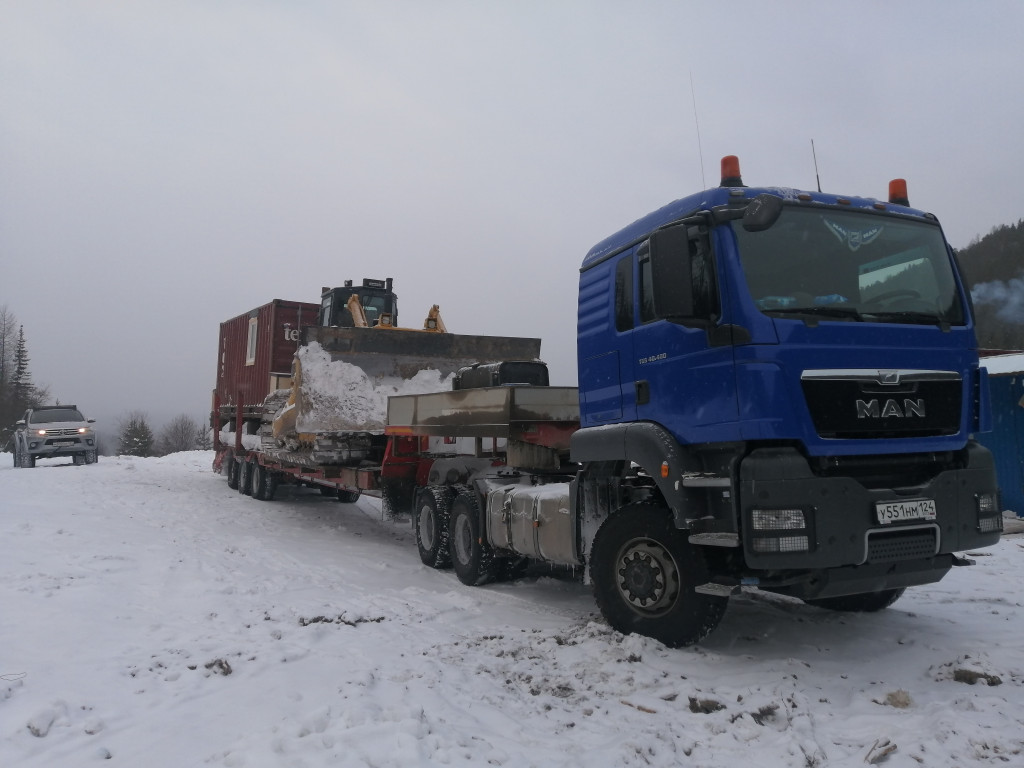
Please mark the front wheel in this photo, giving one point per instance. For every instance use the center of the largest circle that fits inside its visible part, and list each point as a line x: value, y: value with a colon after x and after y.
x: 644, y: 572
x: 472, y: 557
x: 431, y: 517
x: 26, y: 460
x: 868, y: 602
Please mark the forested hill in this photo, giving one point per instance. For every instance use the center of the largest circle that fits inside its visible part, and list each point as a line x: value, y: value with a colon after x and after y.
x: 994, y: 268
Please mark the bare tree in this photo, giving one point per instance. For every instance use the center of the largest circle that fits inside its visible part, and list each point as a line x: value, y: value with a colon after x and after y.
x: 179, y: 435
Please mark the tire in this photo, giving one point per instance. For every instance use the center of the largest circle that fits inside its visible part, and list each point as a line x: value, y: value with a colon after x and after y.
x: 232, y: 470
x: 472, y: 557
x: 431, y: 520
x: 91, y: 457
x: 257, y: 480
x: 644, y: 572
x: 14, y: 455
x: 78, y: 459
x: 244, y: 472
x: 26, y: 460
x: 348, y: 497
x: 867, y: 602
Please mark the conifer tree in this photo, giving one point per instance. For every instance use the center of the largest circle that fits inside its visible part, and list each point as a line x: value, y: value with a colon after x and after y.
x: 136, y: 438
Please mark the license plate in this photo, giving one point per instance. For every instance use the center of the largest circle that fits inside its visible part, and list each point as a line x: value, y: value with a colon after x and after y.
x: 63, y: 442
x: 899, y: 511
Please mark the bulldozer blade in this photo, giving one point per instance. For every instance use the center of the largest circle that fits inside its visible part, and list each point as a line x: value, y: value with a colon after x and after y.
x: 382, y: 352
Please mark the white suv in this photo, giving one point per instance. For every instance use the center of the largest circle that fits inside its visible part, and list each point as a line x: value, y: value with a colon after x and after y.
x: 54, y: 430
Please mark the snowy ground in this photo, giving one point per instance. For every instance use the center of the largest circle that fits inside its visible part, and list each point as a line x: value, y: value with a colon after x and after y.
x: 153, y: 617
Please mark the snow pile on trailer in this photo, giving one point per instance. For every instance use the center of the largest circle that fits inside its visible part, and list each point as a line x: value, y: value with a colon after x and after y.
x: 336, y: 396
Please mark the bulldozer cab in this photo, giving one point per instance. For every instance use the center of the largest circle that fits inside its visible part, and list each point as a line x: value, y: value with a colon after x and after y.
x: 375, y: 296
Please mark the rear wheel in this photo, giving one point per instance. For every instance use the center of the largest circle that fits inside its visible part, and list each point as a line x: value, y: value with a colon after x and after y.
x: 346, y: 496
x: 431, y: 519
x: 644, y: 572
x: 868, y: 602
x: 472, y: 557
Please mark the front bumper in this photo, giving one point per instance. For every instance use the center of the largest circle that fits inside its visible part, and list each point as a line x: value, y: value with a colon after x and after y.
x: 840, y: 528
x: 44, y: 446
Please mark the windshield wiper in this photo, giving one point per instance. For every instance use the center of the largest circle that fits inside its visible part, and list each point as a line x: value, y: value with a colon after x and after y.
x: 828, y: 310
x: 919, y: 318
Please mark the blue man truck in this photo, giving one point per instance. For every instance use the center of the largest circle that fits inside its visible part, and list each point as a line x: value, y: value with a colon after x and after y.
x: 777, y: 389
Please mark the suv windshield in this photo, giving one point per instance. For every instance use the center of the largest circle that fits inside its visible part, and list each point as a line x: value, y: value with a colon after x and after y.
x: 850, y: 265
x: 52, y: 415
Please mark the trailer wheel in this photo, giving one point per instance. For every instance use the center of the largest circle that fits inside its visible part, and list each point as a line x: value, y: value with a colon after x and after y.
x: 257, y: 480
x: 472, y: 557
x: 231, y: 467
x: 431, y: 519
x: 644, y: 572
x: 244, y: 471
x: 868, y: 602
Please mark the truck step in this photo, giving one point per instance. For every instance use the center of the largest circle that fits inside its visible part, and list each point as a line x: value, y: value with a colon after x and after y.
x: 715, y: 539
x: 718, y: 590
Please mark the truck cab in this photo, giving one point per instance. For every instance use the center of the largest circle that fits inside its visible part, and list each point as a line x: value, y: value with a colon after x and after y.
x: 795, y: 375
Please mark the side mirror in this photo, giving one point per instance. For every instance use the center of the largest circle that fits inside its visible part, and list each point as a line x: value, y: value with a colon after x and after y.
x: 762, y: 212
x: 19, y: 423
x: 671, y: 273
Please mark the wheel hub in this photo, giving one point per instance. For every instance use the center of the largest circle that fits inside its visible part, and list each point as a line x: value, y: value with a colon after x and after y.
x: 426, y: 519
x: 647, y: 577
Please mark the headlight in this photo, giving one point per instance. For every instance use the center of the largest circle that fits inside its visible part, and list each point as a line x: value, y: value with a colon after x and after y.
x: 82, y: 430
x: 778, y: 519
x: 41, y: 432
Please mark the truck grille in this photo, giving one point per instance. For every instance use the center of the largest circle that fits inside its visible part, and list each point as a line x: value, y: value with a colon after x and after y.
x: 907, y: 544
x: 883, y: 404
x: 61, y: 432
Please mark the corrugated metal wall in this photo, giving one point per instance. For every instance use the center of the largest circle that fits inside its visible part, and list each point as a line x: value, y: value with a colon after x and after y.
x: 1006, y: 440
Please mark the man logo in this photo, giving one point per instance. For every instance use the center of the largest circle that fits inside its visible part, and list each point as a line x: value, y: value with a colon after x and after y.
x: 872, y: 409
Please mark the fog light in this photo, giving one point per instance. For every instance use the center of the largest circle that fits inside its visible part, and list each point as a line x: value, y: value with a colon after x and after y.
x: 781, y: 544
x: 990, y: 524
x: 778, y: 520
x: 33, y: 445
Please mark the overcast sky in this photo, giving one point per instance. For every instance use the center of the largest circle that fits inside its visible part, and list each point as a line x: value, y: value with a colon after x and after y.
x: 165, y: 166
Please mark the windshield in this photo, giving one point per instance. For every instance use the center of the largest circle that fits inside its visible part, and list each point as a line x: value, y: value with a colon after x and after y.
x: 850, y: 265
x: 53, y: 415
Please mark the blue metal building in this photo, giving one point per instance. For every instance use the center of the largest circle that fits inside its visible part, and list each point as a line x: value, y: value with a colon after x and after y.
x: 1006, y: 440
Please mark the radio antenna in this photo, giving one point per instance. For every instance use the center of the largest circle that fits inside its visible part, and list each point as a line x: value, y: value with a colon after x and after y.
x: 700, y: 150
x: 815, y: 155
